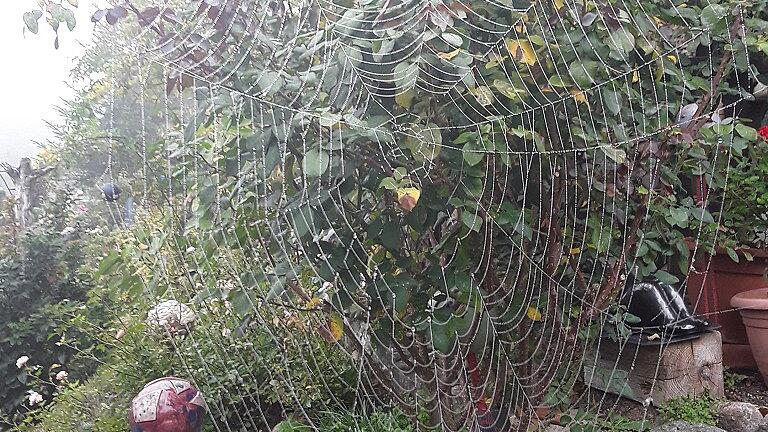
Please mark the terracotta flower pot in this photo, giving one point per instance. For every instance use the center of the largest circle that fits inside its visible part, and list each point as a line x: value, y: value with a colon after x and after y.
x: 712, y: 282
x: 753, y: 306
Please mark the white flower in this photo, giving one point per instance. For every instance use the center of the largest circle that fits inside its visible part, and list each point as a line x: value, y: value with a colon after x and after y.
x: 120, y: 333
x: 61, y: 376
x: 67, y: 231
x: 226, y: 332
x: 22, y: 361
x: 34, y: 398
x: 171, y: 316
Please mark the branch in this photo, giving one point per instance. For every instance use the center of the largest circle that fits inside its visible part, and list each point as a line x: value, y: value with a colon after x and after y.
x: 11, y: 171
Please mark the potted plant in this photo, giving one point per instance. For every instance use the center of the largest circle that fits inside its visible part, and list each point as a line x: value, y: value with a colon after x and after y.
x: 734, y: 258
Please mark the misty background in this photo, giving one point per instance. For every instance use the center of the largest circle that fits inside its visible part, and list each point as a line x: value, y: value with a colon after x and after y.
x: 33, y: 80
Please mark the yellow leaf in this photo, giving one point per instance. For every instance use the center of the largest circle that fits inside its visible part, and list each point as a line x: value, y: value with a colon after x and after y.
x: 408, y: 198
x: 449, y: 55
x: 336, y: 326
x: 520, y: 28
x: 405, y: 98
x: 277, y: 174
x: 313, y: 303
x: 672, y: 58
x: 522, y: 51
x: 579, y: 96
x: 635, y: 76
x: 559, y: 4
x: 575, y: 251
x: 659, y: 70
x: 533, y: 314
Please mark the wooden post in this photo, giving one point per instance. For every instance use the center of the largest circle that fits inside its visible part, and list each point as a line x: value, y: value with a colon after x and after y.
x: 656, y: 374
x: 27, y: 182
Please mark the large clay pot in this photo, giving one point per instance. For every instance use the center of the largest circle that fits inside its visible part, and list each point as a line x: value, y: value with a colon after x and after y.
x: 753, y: 306
x: 712, y: 282
x: 167, y: 405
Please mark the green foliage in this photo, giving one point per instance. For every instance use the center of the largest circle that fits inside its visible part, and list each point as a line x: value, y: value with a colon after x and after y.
x: 694, y: 409
x: 420, y: 259
x: 732, y: 379
x: 41, y: 288
x: 378, y: 421
x: 233, y: 380
x: 584, y: 421
x: 744, y: 218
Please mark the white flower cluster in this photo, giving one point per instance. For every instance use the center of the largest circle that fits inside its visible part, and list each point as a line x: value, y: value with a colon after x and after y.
x: 171, y: 316
x: 22, y: 361
x: 34, y: 398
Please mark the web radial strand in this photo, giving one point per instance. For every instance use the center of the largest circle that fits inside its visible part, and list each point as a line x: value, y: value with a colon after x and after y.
x: 416, y: 201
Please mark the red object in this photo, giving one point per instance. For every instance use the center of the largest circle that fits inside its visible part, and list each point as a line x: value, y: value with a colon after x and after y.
x: 167, y: 405
x: 474, y: 375
x: 763, y: 132
x: 700, y: 190
x: 712, y: 282
x: 754, y: 313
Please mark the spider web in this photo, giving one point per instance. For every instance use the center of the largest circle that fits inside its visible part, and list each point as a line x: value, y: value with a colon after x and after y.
x: 497, y: 372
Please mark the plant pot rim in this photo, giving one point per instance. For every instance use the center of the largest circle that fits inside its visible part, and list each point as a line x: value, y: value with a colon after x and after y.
x: 719, y: 250
x: 756, y: 299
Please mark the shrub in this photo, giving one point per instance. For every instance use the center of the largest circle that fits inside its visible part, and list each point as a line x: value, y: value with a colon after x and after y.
x: 41, y: 288
x: 694, y: 409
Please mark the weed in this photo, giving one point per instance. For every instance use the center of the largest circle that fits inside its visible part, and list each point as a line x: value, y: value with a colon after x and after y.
x: 731, y: 379
x: 695, y: 409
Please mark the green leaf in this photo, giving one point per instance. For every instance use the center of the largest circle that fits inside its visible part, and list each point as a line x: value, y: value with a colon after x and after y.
x: 31, y: 20
x: 508, y: 90
x: 276, y: 290
x: 732, y: 253
x: 583, y: 73
x: 484, y: 95
x: 665, y: 277
x: 745, y: 131
x: 471, y: 220
x: 405, y: 98
x: 330, y: 120
x: 453, y: 39
x: 679, y: 216
x: 441, y: 338
x: 390, y: 235
x: 401, y: 289
x: 611, y: 101
x: 241, y: 300
x: 556, y: 81
x: 472, y: 155
x: 108, y: 262
x: 270, y: 82
x: 425, y: 143
x: 405, y: 73
x: 702, y: 215
x: 622, y: 40
x: 388, y: 183
x: 711, y: 14
x: 315, y: 162
x: 615, y: 154
x: 62, y: 14
x: 291, y: 426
